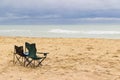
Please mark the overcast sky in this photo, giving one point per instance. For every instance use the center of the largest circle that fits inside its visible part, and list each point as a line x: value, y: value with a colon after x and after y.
x: 59, y: 11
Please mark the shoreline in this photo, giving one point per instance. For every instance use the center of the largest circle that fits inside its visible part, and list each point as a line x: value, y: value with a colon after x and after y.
x: 58, y: 37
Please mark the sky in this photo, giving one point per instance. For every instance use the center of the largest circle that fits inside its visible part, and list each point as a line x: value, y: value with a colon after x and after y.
x: 59, y: 11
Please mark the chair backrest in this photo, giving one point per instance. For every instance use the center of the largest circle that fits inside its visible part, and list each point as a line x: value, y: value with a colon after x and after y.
x: 19, y: 50
x: 31, y: 49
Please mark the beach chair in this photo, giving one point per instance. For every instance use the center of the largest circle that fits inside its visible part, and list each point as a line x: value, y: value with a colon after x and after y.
x: 33, y: 59
x: 19, y: 55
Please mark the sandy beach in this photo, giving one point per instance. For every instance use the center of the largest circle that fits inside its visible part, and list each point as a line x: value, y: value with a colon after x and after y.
x: 68, y: 59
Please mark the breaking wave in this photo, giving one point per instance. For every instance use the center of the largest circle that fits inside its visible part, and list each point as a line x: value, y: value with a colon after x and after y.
x: 83, y: 32
x: 14, y: 32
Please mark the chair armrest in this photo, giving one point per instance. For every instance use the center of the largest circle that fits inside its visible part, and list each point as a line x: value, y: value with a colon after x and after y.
x: 44, y: 53
x: 40, y: 52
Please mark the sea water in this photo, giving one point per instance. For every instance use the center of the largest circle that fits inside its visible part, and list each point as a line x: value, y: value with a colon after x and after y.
x: 62, y: 31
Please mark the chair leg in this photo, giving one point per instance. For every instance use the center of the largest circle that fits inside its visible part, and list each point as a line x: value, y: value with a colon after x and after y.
x: 26, y: 60
x: 18, y: 58
x: 13, y: 58
x: 39, y: 63
x: 29, y: 62
x: 34, y: 63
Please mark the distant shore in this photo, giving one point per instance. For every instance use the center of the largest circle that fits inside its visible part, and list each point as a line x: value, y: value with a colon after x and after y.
x: 68, y: 59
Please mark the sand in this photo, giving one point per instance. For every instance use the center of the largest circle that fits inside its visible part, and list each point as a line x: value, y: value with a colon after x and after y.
x: 68, y: 59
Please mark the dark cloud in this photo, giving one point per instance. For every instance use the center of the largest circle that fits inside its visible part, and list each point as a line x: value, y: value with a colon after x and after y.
x: 58, y: 11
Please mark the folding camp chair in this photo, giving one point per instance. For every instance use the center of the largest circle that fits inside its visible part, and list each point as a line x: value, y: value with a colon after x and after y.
x: 19, y: 55
x: 32, y: 57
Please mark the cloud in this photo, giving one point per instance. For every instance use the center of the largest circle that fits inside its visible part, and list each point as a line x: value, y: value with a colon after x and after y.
x: 59, y: 11
x: 62, y: 4
x: 99, y: 19
x: 19, y: 16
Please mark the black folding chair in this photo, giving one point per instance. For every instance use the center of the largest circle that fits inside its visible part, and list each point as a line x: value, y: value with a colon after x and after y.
x: 19, y: 55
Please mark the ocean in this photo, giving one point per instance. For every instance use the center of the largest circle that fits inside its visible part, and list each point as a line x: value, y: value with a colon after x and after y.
x: 62, y: 31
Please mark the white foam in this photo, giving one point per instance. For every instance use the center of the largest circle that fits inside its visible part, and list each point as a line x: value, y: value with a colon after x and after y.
x: 13, y: 30
x: 63, y: 31
x: 102, y: 32
x: 82, y: 31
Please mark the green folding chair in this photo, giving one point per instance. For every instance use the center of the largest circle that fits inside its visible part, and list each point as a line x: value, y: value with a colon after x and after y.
x: 32, y: 58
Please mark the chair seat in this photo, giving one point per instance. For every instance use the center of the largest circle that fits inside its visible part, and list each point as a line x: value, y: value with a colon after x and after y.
x: 23, y: 55
x: 36, y: 58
